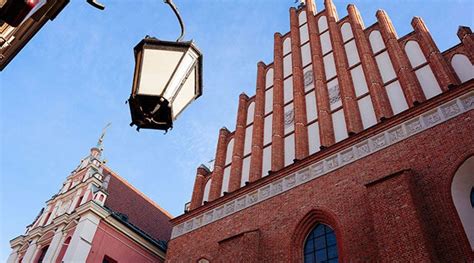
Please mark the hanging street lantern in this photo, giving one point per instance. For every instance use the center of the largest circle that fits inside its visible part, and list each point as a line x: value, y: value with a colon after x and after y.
x: 167, y: 78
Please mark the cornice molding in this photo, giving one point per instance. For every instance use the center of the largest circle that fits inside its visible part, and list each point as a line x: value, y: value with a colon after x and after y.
x: 17, y: 241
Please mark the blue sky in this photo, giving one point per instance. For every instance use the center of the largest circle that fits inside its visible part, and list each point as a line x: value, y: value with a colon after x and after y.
x: 76, y: 73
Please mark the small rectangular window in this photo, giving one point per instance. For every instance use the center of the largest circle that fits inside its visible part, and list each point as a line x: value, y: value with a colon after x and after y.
x: 108, y: 259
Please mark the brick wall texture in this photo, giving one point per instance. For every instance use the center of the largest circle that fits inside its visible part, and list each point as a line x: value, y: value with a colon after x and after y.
x: 407, y: 217
x: 393, y: 205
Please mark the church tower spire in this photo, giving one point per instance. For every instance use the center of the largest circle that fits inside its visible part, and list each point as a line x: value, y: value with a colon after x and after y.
x: 97, y: 150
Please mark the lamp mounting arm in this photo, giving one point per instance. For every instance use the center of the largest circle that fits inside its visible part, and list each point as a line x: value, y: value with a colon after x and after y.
x: 181, y: 23
x: 96, y: 4
x: 100, y: 6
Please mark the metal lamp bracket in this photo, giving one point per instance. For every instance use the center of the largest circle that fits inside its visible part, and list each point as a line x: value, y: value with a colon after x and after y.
x: 95, y: 4
x: 100, y: 6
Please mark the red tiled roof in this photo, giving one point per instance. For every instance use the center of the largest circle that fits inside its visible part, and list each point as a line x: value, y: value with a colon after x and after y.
x: 141, y: 210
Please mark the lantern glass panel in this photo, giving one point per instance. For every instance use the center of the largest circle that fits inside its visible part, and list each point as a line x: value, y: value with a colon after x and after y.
x: 186, y: 95
x: 180, y: 75
x: 156, y: 70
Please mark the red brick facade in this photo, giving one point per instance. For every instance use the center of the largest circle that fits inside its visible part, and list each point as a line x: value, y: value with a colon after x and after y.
x: 385, y: 188
x: 393, y: 205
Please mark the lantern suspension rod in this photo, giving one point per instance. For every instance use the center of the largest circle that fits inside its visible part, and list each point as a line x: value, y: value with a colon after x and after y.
x: 100, y: 6
x: 181, y: 23
x: 96, y: 4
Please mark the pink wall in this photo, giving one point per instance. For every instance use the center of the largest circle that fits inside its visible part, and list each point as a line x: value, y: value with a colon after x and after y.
x: 108, y: 241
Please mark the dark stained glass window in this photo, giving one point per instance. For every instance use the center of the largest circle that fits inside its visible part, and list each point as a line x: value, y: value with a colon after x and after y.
x: 320, y: 245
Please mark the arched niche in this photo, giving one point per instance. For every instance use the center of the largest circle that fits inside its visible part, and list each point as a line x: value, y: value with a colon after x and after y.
x: 463, y: 67
x: 230, y: 148
x: 322, y: 24
x: 207, y: 189
x: 376, y: 41
x: 414, y: 53
x: 346, y: 31
x: 250, y: 112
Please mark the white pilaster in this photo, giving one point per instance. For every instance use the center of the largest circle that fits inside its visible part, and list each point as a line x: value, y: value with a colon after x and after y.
x: 66, y: 186
x: 87, y: 175
x: 74, y: 201
x: 55, y: 245
x: 13, y: 258
x: 86, y: 194
x: 43, y: 216
x: 53, y: 214
x: 31, y: 251
x: 81, y: 241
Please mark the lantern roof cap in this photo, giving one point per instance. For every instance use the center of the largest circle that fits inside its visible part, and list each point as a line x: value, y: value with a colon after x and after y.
x: 153, y: 41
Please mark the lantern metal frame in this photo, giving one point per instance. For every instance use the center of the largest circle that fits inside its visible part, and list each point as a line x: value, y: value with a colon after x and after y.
x: 155, y: 111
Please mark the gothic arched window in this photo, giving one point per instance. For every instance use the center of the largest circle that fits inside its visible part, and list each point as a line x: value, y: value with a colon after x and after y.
x: 320, y: 245
x: 463, y: 194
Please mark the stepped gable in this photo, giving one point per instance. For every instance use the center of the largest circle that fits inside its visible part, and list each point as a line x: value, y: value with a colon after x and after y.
x: 331, y: 79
